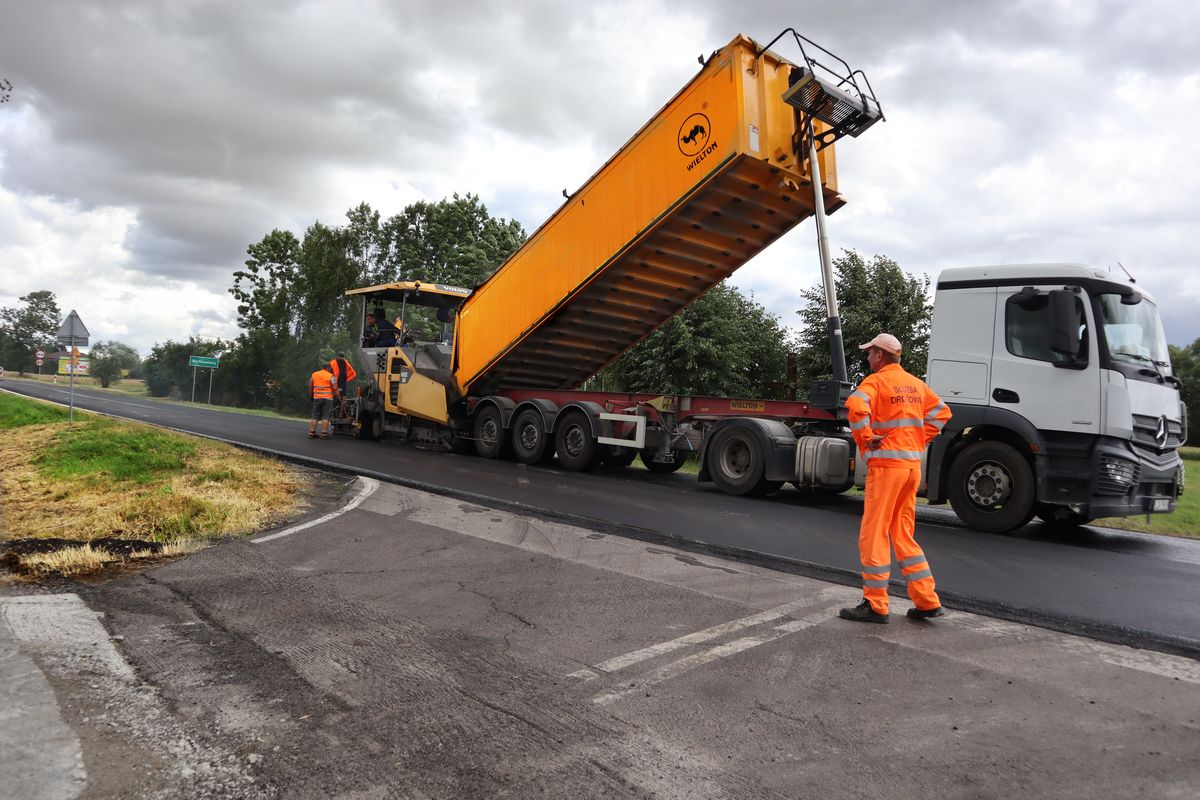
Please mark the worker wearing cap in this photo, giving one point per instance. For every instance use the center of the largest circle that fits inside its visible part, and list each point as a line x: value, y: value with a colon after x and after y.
x: 893, y: 416
x: 322, y: 387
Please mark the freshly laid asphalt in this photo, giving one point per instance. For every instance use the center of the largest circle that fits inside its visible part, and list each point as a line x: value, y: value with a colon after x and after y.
x: 1113, y: 585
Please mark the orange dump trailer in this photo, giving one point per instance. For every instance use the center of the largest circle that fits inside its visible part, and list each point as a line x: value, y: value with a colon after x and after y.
x: 706, y: 184
x: 741, y: 155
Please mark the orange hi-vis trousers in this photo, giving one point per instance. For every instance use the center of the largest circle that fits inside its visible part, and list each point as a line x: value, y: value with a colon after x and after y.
x: 889, y: 519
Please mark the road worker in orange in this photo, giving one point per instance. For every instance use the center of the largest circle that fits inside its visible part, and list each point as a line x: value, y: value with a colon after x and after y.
x: 342, y: 371
x: 323, y: 389
x: 893, y: 416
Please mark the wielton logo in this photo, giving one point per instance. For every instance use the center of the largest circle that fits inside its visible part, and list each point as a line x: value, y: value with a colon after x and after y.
x: 693, y: 134
x: 694, y: 139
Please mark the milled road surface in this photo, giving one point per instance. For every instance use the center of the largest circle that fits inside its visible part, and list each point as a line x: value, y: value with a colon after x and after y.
x: 426, y: 647
x: 1114, y: 585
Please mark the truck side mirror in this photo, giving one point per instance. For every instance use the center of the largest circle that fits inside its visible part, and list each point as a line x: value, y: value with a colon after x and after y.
x: 1065, y: 322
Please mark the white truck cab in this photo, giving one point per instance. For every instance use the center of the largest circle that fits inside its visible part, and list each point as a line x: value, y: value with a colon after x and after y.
x: 1065, y: 404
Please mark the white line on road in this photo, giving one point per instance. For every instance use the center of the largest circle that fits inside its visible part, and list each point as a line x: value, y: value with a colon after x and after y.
x: 699, y: 637
x: 676, y: 668
x: 369, y: 485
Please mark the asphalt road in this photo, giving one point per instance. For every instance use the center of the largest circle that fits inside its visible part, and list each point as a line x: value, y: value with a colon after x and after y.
x: 1114, y: 585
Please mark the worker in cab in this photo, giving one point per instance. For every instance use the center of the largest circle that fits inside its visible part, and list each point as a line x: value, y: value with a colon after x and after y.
x: 370, y: 337
x: 389, y: 335
x: 342, y: 371
x: 323, y: 389
x: 893, y: 416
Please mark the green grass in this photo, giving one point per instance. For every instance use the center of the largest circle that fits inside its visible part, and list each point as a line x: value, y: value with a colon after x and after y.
x: 16, y: 412
x: 103, y: 450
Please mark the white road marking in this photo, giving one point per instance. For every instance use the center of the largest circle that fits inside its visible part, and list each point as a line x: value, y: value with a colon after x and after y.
x: 677, y: 668
x: 369, y: 485
x: 699, y: 637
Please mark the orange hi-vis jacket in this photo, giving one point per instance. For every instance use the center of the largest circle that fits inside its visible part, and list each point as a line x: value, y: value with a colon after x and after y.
x: 324, y: 385
x: 350, y: 373
x: 902, y: 409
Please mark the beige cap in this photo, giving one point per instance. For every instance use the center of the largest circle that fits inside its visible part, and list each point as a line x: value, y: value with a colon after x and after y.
x: 884, y: 341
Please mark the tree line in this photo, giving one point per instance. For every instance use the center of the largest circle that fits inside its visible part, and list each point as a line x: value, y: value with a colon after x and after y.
x: 292, y: 311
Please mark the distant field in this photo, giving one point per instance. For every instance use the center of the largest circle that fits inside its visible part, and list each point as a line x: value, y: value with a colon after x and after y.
x: 137, y: 388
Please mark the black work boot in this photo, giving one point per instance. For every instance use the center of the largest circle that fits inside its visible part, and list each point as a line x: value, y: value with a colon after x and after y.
x: 927, y: 613
x: 863, y: 613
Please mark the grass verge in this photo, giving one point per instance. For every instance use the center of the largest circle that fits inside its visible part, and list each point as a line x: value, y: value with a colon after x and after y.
x: 99, y: 478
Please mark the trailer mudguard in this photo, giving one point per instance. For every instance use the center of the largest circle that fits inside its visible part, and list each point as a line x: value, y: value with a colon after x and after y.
x: 777, y: 441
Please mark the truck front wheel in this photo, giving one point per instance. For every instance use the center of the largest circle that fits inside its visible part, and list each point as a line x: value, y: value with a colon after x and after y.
x: 736, y: 463
x: 991, y: 487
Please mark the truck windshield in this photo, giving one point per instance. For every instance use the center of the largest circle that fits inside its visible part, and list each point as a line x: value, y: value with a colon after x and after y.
x: 1134, y: 333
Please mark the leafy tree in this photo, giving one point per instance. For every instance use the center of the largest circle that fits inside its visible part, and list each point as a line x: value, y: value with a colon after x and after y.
x: 166, y: 369
x: 1186, y: 363
x: 27, y: 328
x: 110, y: 359
x: 452, y: 241
x: 265, y: 290
x: 724, y: 344
x: 873, y: 296
x: 291, y: 294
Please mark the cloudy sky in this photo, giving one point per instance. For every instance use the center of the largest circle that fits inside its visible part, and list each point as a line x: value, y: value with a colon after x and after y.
x: 144, y: 145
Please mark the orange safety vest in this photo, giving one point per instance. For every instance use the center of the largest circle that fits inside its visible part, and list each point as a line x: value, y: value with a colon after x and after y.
x: 324, y: 385
x: 900, y: 407
x: 350, y: 373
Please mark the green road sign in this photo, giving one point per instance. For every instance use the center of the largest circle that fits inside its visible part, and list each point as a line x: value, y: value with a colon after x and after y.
x: 204, y: 361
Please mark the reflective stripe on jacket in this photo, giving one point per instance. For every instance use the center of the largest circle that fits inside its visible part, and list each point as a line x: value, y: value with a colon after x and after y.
x: 902, y: 409
x: 323, y: 384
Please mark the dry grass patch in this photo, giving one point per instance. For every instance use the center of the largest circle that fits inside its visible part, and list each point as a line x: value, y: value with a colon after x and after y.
x: 189, y: 488
x: 84, y: 559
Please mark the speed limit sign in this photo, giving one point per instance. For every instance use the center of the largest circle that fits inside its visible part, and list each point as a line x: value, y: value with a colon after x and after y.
x: 40, y: 355
x: 39, y: 361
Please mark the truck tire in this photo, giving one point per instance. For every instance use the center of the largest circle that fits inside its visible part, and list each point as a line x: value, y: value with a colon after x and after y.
x: 620, y: 457
x: 991, y: 487
x: 736, y: 463
x: 577, y: 448
x: 680, y: 458
x: 530, y: 442
x: 489, y: 433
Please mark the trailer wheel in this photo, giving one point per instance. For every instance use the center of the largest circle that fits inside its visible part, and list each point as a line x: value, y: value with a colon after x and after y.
x: 991, y: 487
x: 530, y: 442
x: 489, y: 432
x: 577, y: 449
x: 736, y: 463
x: 679, y: 458
x: 613, y: 456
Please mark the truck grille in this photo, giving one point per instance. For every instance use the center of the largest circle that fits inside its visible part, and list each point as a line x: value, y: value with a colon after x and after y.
x: 1147, y: 433
x: 1116, y: 476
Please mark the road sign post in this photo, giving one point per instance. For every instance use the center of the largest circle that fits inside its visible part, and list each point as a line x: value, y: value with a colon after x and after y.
x: 208, y: 362
x: 73, y: 334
